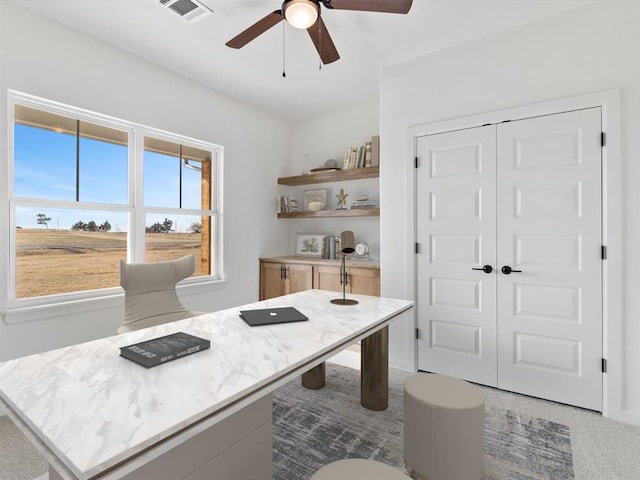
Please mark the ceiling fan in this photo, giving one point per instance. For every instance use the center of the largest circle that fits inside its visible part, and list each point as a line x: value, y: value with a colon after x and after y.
x: 305, y: 14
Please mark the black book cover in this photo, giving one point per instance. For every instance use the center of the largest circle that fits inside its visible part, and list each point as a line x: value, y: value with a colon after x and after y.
x: 164, y: 349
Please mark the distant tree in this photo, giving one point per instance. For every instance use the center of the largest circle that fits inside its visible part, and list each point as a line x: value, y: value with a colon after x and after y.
x: 42, y: 219
x: 79, y: 226
x: 195, y: 227
x: 92, y: 226
x: 105, y: 227
x: 164, y: 227
x: 155, y: 228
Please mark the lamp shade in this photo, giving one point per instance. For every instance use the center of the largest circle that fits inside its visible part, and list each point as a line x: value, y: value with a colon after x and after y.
x: 300, y: 13
x: 347, y: 244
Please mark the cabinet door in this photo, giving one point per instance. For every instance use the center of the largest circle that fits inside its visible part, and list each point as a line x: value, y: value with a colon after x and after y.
x: 365, y: 281
x: 271, y: 281
x: 298, y: 278
x: 328, y: 278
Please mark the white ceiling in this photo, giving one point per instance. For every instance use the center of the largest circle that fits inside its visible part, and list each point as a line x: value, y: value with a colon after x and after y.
x: 366, y: 42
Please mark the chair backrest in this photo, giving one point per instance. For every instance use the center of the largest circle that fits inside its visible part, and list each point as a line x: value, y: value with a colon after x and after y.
x: 150, y: 292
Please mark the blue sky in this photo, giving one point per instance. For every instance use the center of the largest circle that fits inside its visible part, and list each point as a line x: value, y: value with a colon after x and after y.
x: 45, y: 167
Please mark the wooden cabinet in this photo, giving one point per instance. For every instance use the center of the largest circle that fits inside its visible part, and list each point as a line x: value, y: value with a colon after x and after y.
x: 283, y: 275
x: 359, y: 280
x: 278, y: 279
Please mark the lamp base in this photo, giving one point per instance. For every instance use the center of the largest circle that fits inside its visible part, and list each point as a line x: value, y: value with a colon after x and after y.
x: 344, y: 301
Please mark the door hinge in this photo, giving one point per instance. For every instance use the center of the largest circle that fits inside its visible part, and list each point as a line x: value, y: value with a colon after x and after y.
x: 417, y: 334
x: 604, y: 365
x: 603, y: 252
x: 417, y: 248
x: 603, y: 138
x: 417, y: 162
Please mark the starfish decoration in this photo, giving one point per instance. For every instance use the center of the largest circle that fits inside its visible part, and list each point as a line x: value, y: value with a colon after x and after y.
x: 342, y: 199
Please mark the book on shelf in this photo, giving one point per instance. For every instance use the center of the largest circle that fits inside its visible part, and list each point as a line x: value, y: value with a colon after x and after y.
x: 367, y: 155
x: 164, y: 349
x: 375, y: 150
x: 287, y: 204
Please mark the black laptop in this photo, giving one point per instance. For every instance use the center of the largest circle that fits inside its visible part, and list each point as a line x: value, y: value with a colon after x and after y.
x: 268, y: 316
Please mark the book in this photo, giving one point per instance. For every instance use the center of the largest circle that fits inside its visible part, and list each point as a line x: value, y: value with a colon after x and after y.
x: 375, y: 150
x: 164, y: 349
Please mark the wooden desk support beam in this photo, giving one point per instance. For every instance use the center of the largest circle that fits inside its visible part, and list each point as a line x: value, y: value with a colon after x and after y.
x: 314, y: 379
x: 374, y: 371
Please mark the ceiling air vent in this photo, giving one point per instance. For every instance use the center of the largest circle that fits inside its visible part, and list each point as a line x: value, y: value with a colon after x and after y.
x: 189, y: 10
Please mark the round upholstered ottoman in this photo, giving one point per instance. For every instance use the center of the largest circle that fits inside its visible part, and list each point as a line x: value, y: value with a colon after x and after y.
x: 358, y: 469
x: 443, y: 428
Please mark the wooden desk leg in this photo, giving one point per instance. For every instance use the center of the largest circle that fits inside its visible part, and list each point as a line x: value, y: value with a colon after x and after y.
x: 374, y: 371
x: 314, y: 378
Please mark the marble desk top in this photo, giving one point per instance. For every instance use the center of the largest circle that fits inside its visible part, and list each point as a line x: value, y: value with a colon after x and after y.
x: 89, y: 409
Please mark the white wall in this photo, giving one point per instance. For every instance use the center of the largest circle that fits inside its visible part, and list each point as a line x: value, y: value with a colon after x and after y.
x: 44, y: 58
x: 328, y: 137
x: 590, y: 49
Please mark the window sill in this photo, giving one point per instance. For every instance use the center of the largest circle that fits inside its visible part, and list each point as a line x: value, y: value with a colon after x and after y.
x: 111, y: 298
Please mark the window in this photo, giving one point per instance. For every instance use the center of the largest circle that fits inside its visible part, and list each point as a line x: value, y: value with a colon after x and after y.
x: 83, y: 194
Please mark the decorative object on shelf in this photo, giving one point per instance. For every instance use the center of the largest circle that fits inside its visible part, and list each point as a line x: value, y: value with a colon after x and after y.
x: 361, y: 251
x: 329, y: 166
x: 309, y: 245
x: 346, y: 247
x: 342, y: 200
x: 315, y: 206
x: 364, y: 202
x: 315, y: 196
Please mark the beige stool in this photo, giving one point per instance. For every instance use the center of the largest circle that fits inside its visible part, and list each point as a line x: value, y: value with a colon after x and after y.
x: 443, y: 428
x: 358, y: 469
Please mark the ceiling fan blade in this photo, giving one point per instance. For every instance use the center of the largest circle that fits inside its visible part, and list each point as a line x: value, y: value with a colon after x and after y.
x: 385, y: 6
x: 256, y: 29
x: 322, y: 40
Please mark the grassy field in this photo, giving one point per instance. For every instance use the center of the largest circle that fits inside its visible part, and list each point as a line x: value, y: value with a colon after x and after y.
x: 60, y: 261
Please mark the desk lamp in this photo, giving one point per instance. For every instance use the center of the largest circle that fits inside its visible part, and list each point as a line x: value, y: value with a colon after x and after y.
x: 347, y: 245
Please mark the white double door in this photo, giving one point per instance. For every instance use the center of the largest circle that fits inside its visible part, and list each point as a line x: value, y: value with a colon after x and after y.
x: 523, y: 195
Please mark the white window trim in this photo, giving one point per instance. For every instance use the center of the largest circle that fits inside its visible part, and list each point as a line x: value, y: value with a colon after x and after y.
x: 15, y: 311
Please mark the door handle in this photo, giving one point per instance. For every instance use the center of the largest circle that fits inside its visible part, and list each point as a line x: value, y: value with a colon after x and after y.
x: 507, y: 270
x: 485, y: 269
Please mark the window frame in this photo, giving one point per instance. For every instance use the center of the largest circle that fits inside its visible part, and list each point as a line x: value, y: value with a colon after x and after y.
x: 134, y: 208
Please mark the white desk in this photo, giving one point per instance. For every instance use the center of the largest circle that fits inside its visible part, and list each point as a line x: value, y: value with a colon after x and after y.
x: 96, y: 415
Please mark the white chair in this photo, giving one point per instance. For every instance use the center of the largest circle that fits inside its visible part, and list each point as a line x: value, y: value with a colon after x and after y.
x: 150, y: 292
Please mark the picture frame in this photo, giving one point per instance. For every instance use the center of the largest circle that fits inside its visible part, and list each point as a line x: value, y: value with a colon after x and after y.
x: 309, y: 245
x: 315, y: 197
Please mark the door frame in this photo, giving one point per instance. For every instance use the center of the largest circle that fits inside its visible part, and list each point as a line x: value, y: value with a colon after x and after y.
x: 612, y: 321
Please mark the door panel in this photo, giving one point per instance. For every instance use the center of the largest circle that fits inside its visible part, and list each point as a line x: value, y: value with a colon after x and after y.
x: 456, y: 230
x: 550, y: 315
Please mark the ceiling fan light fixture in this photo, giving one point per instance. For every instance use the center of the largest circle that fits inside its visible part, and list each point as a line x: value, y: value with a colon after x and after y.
x: 301, y: 13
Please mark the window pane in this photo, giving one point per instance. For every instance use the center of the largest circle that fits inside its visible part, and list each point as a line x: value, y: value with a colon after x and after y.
x: 44, y: 163
x: 173, y: 236
x: 47, y: 157
x: 170, y: 182
x: 161, y: 173
x: 68, y: 250
x: 103, y: 164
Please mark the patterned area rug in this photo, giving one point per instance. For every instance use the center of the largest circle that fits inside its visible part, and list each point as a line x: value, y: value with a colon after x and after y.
x: 314, y: 427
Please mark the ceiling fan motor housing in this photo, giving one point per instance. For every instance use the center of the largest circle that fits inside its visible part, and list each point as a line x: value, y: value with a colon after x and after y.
x: 301, y: 13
